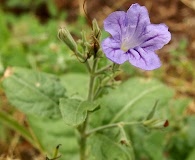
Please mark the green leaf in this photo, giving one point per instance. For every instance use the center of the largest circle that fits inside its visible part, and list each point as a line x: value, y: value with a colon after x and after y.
x: 179, y: 106
x: 152, y: 112
x: 52, y: 132
x: 154, y: 145
x: 33, y: 92
x: 76, y: 85
x: 147, y: 145
x: 104, y: 148
x: 74, y: 111
x: 133, y: 100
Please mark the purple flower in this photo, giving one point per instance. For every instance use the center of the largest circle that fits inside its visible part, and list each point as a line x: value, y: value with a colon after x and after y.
x: 134, y: 38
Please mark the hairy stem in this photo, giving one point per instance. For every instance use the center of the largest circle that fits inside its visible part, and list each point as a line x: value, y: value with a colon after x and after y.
x: 92, y: 80
x: 112, y: 126
x: 82, y: 130
x: 102, y: 70
x: 79, y: 55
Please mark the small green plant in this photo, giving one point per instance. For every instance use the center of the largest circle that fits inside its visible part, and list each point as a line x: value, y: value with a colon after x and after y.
x: 82, y: 104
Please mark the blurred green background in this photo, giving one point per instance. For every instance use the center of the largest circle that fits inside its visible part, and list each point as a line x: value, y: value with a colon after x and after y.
x: 28, y: 38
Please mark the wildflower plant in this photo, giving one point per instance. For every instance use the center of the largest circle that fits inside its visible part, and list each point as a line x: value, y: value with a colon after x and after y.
x: 100, y: 111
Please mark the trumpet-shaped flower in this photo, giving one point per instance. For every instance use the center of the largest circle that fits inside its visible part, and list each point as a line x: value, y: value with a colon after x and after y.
x: 134, y: 38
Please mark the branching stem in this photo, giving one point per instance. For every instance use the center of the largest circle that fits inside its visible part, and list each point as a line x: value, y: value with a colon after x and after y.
x: 82, y: 130
x: 119, y: 124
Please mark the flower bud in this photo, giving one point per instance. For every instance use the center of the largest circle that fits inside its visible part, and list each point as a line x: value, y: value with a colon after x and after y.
x: 156, y: 123
x: 96, y: 29
x: 66, y: 37
x: 83, y: 41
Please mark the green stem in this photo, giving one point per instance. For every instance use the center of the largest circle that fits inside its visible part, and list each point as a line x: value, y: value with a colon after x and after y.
x: 102, y: 70
x: 92, y: 80
x: 85, y: 61
x: 91, y: 87
x: 112, y: 126
x: 127, y: 142
x: 82, y: 130
x: 98, y: 91
x: 83, y: 139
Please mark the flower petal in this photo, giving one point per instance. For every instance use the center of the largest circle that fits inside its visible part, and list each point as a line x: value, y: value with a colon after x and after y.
x: 155, y: 37
x: 138, y: 18
x: 134, y: 38
x: 112, y: 50
x: 115, y: 22
x: 145, y: 60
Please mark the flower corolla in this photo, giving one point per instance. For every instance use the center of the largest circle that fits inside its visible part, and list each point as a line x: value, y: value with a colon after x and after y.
x: 134, y: 38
